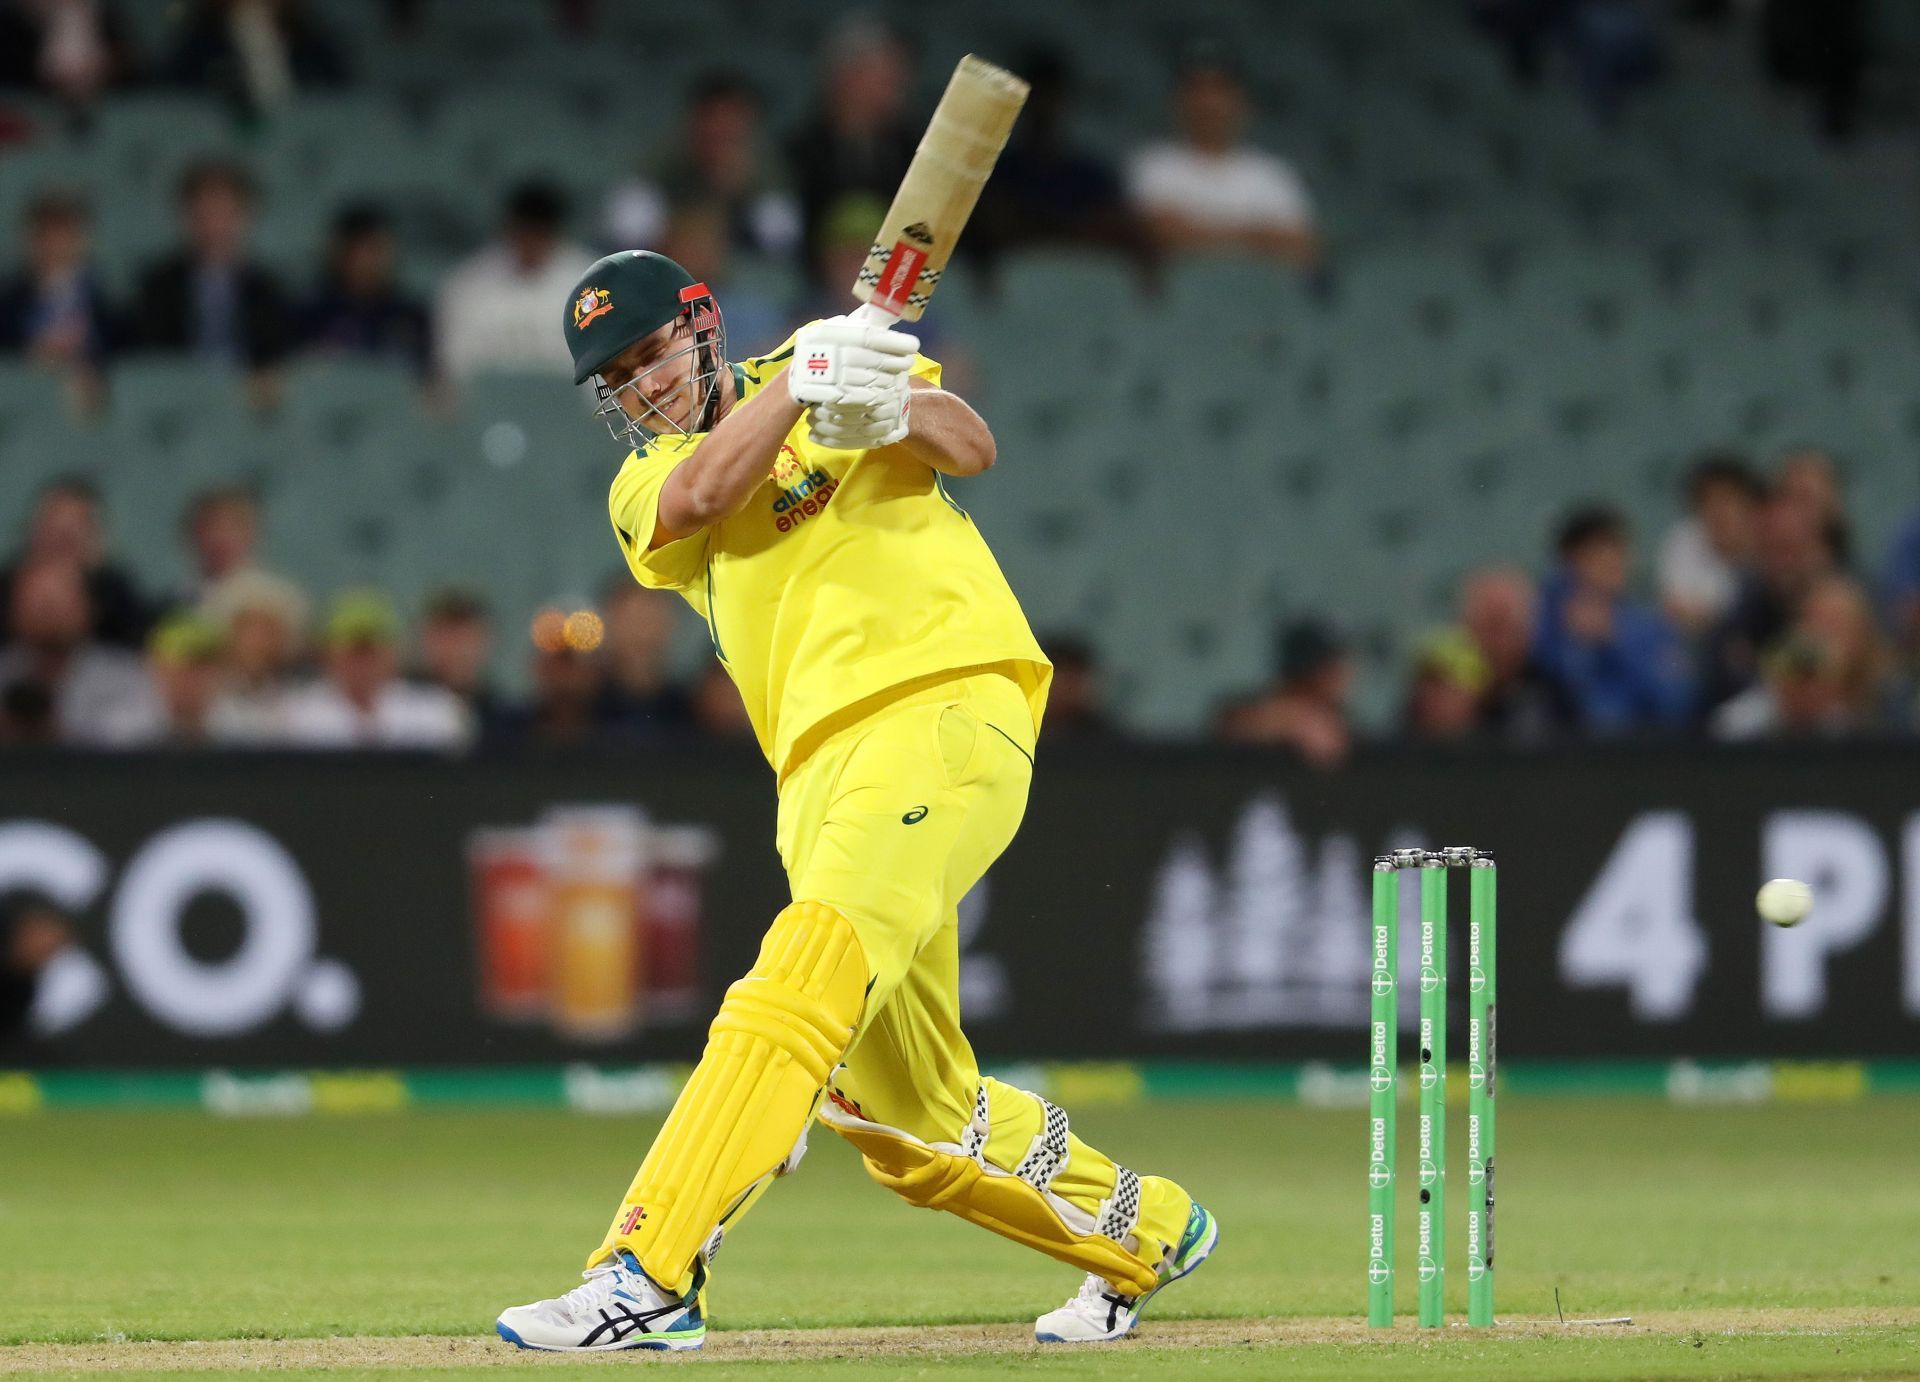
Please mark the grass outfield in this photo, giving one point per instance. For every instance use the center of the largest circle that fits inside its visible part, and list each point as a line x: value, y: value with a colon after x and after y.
x: 1746, y: 1241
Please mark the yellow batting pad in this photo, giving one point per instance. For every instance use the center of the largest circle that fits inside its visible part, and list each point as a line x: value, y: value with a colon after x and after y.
x: 936, y: 1177
x: 778, y: 1035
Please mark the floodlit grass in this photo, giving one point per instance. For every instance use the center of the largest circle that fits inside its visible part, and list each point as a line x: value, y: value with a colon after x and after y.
x: 1730, y: 1228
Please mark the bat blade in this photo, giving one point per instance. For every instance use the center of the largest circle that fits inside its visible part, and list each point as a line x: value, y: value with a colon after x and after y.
x: 955, y: 157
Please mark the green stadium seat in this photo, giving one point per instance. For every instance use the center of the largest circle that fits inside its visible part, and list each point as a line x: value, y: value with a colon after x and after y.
x: 36, y: 450
x: 487, y: 141
x: 340, y: 403
x: 30, y: 396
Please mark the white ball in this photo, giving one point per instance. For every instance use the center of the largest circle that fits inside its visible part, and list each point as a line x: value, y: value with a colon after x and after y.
x: 1784, y: 901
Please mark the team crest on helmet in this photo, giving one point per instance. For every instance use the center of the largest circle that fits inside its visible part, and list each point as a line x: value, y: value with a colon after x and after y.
x: 593, y: 302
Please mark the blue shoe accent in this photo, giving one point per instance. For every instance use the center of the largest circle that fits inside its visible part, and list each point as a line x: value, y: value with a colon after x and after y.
x: 1196, y: 1244
x: 509, y: 1335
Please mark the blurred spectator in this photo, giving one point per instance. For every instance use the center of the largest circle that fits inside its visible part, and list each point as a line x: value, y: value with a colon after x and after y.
x: 1831, y: 675
x: 361, y: 702
x: 1797, y: 695
x: 66, y: 525
x: 575, y: 18
x: 718, y: 711
x: 1820, y: 46
x: 221, y: 528
x: 185, y: 660
x: 495, y: 309
x: 721, y: 161
x: 860, y: 138
x: 54, y: 310
x: 360, y: 308
x: 1208, y: 189
x: 696, y: 240
x: 1811, y: 479
x: 1838, y: 614
x: 33, y: 929
x: 262, y: 620
x: 1705, y: 554
x: 257, y: 53
x: 456, y: 642
x: 1046, y: 189
x: 16, y: 123
x: 1443, y: 697
x: 1900, y: 589
x: 1618, y: 662
x: 26, y: 716
x: 209, y: 297
x: 568, y: 692
x: 1523, y: 30
x: 408, y: 21
x: 100, y: 695
x: 641, y: 695
x: 71, y: 49
x: 1519, y: 703
x: 1306, y: 708
x: 1074, y: 709
x: 1614, y: 46
x: 1795, y: 550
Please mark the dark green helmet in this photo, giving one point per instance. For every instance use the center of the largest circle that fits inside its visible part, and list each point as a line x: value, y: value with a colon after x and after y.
x: 627, y: 297
x: 622, y: 298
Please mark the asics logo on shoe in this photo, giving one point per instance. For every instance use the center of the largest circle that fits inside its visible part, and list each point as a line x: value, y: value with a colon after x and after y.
x: 620, y: 1322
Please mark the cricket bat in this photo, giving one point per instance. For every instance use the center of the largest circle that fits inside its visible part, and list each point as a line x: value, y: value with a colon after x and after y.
x: 956, y: 155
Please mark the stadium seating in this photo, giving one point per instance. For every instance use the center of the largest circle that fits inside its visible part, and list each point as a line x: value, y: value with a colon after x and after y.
x: 1521, y: 309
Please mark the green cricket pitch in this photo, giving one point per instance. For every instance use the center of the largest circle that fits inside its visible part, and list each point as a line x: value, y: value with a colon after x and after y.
x: 1775, y: 1241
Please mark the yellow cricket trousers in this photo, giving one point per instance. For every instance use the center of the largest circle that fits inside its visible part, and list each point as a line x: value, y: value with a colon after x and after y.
x: 892, y: 821
x: 888, y: 822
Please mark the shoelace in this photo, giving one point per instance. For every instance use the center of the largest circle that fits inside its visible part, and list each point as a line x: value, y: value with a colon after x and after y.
x: 601, y: 1281
x: 1096, y: 1295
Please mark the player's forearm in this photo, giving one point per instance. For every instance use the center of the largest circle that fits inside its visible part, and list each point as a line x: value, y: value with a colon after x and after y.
x: 718, y: 479
x: 945, y: 434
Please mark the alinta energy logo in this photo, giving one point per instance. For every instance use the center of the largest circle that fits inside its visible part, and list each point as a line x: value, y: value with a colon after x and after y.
x: 802, y: 499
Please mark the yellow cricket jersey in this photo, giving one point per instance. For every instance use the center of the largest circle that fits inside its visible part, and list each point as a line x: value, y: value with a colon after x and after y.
x: 849, y: 574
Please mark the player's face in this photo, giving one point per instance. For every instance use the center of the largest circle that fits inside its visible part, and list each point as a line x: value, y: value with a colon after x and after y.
x: 665, y: 381
x: 660, y: 370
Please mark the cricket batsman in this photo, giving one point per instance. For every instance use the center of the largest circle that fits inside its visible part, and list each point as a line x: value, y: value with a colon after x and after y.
x: 796, y: 500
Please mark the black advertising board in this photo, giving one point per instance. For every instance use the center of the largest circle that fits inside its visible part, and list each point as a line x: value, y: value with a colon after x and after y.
x: 363, y: 910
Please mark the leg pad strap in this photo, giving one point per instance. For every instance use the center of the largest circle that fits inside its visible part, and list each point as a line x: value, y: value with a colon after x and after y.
x: 936, y: 1176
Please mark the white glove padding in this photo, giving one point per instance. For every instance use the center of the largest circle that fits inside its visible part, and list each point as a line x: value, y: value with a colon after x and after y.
x: 862, y: 427
x: 846, y: 363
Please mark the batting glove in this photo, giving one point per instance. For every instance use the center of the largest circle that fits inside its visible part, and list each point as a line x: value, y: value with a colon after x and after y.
x: 841, y: 363
x: 862, y: 427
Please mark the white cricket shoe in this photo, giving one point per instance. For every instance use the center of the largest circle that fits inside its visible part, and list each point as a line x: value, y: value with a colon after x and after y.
x: 619, y: 1307
x: 1100, y: 1314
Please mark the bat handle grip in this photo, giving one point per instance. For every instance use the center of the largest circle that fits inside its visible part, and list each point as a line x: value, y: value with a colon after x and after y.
x: 869, y: 315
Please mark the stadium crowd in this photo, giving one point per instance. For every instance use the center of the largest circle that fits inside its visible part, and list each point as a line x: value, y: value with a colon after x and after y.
x: 1761, y: 625
x: 1763, y: 621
